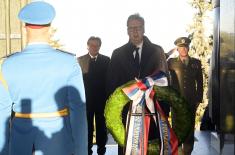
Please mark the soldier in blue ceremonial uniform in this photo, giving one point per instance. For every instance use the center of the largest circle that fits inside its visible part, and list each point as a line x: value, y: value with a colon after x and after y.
x: 44, y: 95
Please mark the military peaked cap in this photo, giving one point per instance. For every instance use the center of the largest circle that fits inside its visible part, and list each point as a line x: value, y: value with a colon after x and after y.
x: 38, y: 13
x: 182, y: 41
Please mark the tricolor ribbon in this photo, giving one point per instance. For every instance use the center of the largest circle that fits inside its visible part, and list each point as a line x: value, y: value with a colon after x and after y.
x: 141, y: 93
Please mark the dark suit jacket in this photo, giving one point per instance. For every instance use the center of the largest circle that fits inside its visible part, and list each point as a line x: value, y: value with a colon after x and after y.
x: 122, y: 69
x: 188, y: 79
x: 94, y: 77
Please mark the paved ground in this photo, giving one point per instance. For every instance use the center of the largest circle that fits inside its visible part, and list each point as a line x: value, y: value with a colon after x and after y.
x: 202, y: 145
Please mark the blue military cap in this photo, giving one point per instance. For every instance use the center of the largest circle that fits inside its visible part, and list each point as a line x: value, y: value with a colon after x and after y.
x: 38, y: 13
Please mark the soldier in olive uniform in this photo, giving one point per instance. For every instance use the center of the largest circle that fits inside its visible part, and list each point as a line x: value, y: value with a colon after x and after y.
x: 186, y: 77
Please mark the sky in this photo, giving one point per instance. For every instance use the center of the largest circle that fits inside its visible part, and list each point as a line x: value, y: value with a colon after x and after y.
x: 77, y: 20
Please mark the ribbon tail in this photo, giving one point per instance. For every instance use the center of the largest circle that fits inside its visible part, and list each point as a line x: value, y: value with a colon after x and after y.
x: 135, y: 132
x: 173, y: 142
x: 129, y: 134
x: 146, y: 133
x: 161, y: 133
x: 169, y: 141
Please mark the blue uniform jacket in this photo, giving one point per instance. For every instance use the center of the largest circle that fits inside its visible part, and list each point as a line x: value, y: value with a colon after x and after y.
x: 41, y: 79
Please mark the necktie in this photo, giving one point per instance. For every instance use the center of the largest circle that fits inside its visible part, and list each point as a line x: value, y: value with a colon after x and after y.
x: 92, y: 65
x: 137, y: 58
x: 92, y: 60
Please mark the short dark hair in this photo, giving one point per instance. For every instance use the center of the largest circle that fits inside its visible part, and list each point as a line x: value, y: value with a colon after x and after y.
x: 135, y: 16
x: 94, y: 38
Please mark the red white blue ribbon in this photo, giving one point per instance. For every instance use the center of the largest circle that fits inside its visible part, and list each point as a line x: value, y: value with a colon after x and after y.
x: 141, y: 93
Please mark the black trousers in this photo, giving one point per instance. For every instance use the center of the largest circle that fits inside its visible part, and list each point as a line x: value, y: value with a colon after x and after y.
x: 188, y: 144
x: 101, y: 131
x: 189, y: 141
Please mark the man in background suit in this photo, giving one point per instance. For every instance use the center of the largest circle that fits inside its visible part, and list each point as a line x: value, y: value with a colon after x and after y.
x: 94, y: 66
x: 186, y: 77
x: 136, y: 59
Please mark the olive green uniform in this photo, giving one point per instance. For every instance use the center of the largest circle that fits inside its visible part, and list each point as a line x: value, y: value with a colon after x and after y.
x: 186, y: 77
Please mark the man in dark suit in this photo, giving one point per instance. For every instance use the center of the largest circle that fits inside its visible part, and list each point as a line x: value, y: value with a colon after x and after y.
x: 136, y: 59
x: 94, y: 67
x: 186, y: 77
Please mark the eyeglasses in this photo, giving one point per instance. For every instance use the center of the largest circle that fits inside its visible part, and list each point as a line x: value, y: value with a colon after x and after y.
x: 134, y: 29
